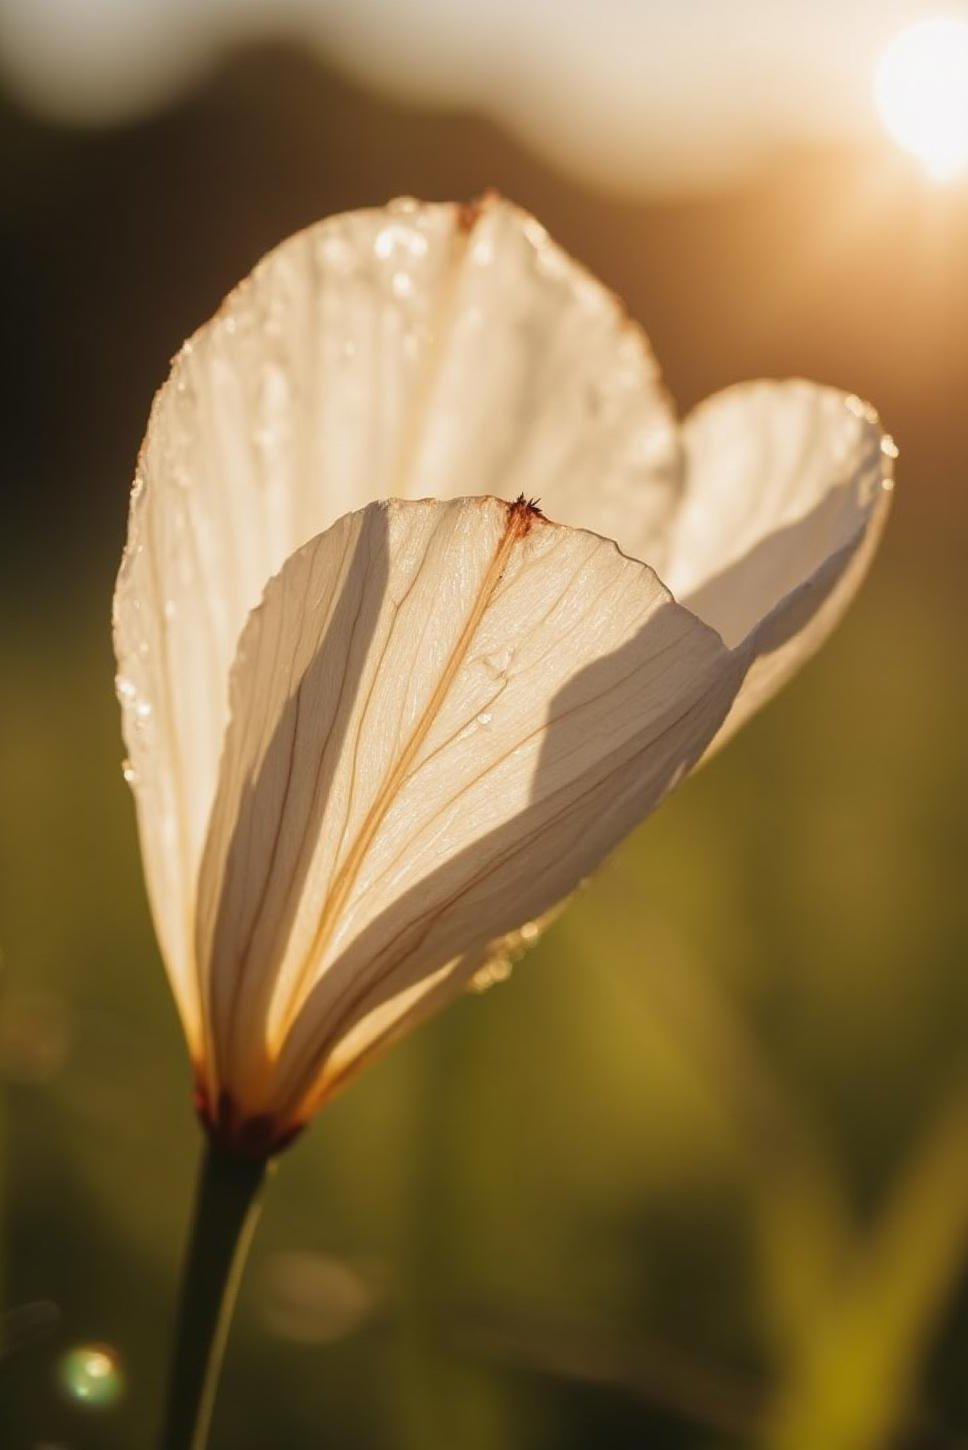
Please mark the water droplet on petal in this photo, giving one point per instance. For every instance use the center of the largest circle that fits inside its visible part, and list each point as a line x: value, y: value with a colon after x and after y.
x: 384, y: 243
x: 485, y: 717
x: 333, y: 251
x: 271, y: 436
x: 91, y: 1375
x: 482, y: 251
x: 394, y: 239
x: 129, y: 772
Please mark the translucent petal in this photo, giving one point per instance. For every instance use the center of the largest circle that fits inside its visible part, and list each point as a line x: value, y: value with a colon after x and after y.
x: 415, y: 349
x: 786, y: 491
x: 443, y: 716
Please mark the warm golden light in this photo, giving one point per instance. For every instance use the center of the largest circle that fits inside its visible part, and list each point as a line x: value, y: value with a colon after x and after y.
x: 921, y: 89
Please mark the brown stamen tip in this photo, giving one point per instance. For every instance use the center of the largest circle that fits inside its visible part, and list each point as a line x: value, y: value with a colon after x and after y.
x: 522, y: 513
x: 470, y: 212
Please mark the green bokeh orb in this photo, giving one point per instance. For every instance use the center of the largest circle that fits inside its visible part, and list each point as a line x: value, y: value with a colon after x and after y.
x: 90, y: 1374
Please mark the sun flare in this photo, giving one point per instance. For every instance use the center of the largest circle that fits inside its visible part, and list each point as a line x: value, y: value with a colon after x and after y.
x: 921, y: 90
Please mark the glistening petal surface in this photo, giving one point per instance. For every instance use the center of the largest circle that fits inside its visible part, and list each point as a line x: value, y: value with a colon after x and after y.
x: 443, y: 716
x: 403, y: 351
x: 787, y: 487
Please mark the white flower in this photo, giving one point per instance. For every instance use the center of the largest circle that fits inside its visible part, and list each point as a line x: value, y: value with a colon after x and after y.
x: 441, y: 715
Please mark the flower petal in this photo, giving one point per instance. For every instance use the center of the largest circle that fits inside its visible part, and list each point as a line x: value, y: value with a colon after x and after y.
x: 408, y: 350
x: 443, y: 716
x: 787, y: 489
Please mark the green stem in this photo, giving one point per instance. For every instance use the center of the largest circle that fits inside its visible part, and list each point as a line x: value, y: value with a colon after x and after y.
x: 226, y: 1210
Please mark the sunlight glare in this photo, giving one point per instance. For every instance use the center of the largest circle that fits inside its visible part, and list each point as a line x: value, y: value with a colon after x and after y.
x: 921, y: 90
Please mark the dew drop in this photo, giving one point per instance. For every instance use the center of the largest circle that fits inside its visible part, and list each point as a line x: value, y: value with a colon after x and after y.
x: 272, y: 434
x: 482, y: 252
x: 485, y: 717
x: 333, y: 250
x: 384, y: 244
x: 126, y: 688
x: 142, y: 709
x: 394, y: 239
x: 91, y: 1375
x: 129, y: 772
x: 401, y: 284
x: 498, y: 664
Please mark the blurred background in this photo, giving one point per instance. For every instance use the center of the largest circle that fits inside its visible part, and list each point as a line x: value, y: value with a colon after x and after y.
x: 697, y: 1176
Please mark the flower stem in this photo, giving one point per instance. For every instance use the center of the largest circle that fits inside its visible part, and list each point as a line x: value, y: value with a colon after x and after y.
x: 226, y: 1210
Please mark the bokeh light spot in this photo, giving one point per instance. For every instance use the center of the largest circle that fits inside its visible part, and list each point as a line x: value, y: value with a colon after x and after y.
x: 90, y: 1374
x: 312, y: 1298
x: 921, y: 90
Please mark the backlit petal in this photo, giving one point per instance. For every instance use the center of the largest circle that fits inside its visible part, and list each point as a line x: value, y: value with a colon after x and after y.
x: 411, y: 350
x: 786, y: 491
x: 443, y: 716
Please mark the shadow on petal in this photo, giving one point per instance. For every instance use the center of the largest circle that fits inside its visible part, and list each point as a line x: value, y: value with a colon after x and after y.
x: 284, y: 802
x: 735, y: 600
x: 419, y: 952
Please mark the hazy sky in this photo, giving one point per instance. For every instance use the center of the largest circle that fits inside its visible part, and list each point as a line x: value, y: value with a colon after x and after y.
x: 633, y: 94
